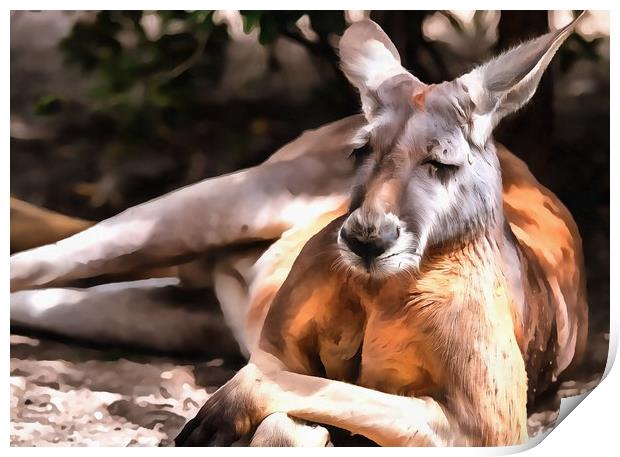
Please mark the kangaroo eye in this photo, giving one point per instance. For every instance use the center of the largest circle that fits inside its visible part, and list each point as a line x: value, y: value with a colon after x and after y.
x: 442, y: 171
x: 440, y: 166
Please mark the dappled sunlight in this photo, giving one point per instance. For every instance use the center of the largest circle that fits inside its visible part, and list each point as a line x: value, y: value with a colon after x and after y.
x: 94, y: 398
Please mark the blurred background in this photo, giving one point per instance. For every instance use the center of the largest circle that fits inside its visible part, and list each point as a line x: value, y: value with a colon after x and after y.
x: 109, y: 109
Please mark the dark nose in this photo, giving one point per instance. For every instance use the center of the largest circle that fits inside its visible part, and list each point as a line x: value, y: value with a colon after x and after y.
x: 370, y: 242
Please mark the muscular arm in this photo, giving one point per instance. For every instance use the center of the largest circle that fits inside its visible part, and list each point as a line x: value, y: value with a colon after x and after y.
x: 389, y: 420
x: 263, y: 387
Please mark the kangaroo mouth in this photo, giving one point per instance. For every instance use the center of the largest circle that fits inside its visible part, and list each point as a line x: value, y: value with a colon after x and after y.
x: 403, y: 256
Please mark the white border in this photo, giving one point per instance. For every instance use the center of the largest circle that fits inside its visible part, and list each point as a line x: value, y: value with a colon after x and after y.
x: 590, y: 430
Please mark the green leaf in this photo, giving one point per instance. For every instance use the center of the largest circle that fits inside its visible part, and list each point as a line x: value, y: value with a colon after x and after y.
x: 48, y: 105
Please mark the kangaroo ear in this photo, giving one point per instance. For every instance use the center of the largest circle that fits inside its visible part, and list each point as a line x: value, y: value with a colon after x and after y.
x: 507, y: 82
x: 371, y: 62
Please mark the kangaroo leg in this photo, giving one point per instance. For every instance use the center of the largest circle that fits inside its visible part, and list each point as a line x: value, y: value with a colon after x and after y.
x: 305, y: 178
x: 153, y: 314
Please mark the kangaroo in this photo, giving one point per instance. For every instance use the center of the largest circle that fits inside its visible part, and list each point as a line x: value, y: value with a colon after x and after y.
x: 431, y: 309
x: 435, y: 294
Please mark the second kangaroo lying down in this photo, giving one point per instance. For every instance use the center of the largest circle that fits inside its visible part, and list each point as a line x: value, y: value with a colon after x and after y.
x: 427, y: 312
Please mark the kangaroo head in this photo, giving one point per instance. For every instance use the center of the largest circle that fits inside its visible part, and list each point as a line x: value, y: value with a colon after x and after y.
x: 431, y: 176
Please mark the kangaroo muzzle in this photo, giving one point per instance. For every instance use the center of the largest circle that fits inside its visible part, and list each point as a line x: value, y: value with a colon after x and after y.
x: 369, y: 235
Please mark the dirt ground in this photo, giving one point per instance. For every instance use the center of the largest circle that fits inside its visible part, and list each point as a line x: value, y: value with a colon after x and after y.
x: 64, y: 394
x: 67, y: 395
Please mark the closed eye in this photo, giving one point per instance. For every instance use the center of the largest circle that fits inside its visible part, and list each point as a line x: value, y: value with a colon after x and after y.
x: 442, y: 171
x: 440, y: 166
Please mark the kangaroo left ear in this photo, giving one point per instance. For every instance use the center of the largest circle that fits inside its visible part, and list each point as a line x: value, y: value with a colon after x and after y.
x: 371, y: 63
x: 507, y: 82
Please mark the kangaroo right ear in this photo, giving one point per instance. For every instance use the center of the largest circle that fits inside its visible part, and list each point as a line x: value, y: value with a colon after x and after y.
x: 371, y: 62
x: 507, y: 82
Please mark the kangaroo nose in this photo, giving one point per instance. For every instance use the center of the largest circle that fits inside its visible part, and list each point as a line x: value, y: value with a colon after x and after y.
x: 370, y: 242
